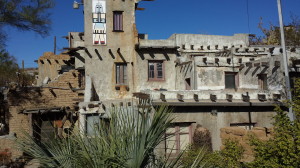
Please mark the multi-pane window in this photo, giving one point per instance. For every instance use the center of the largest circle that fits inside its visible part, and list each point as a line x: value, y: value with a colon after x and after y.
x: 121, y: 73
x: 262, y: 81
x: 178, y: 137
x: 118, y: 21
x: 155, y: 70
x: 231, y: 80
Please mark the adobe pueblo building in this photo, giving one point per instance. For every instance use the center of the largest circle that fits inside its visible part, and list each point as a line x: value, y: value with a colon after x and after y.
x: 211, y: 81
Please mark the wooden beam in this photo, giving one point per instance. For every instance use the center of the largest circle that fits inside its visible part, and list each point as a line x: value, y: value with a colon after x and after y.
x: 261, y: 97
x: 52, y: 92
x: 265, y: 64
x: 140, y: 9
x: 276, y: 97
x: 241, y: 66
x: 216, y: 60
x: 229, y: 97
x: 213, y: 97
x: 180, y: 97
x: 246, y: 98
x: 256, y: 64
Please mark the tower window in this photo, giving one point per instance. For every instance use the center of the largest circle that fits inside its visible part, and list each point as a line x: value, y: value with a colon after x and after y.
x: 118, y: 21
x: 121, y: 73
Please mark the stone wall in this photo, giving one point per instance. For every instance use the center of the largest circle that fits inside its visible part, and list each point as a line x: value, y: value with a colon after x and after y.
x: 18, y: 124
x: 61, y: 92
x: 242, y: 136
x: 50, y: 65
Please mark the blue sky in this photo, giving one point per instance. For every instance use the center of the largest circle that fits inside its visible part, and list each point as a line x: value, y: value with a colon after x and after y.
x: 160, y: 19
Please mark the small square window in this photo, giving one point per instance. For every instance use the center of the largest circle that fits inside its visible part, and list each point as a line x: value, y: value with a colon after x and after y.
x: 118, y: 21
x: 155, y: 70
x: 231, y: 80
x: 121, y: 73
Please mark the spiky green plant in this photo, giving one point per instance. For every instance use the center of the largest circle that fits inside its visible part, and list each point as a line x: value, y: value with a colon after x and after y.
x: 128, y: 140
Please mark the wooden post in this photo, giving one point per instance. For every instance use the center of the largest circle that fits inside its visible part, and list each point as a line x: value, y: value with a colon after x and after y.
x: 54, y: 50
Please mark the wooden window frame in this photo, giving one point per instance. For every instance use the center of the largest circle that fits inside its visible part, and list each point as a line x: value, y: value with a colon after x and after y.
x: 118, y: 21
x: 262, y: 81
x: 177, y: 134
x: 155, y: 78
x: 236, y: 80
x: 121, y: 75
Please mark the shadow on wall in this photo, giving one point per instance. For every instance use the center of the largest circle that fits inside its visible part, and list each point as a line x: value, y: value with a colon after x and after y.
x: 153, y: 52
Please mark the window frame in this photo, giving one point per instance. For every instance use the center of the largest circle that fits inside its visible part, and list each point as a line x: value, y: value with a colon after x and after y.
x: 119, y: 27
x: 236, y: 80
x: 177, y: 134
x: 155, y: 78
x: 122, y: 74
x: 262, y: 81
x: 90, y: 128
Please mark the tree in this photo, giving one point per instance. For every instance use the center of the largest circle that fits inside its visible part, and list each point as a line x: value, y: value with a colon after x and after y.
x: 272, y: 34
x: 32, y: 15
x: 283, y: 150
x: 10, y: 72
x: 8, y: 68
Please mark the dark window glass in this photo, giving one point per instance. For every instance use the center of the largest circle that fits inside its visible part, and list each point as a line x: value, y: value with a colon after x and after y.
x: 230, y: 80
x: 118, y: 21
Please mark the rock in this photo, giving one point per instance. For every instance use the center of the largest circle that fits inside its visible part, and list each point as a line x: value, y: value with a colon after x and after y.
x: 235, y: 131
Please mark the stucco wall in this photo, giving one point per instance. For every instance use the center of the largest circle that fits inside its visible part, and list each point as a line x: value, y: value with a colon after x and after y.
x: 141, y: 79
x: 261, y: 116
x: 100, y: 59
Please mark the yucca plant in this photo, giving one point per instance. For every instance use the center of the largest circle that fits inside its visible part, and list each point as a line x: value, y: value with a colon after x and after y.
x: 128, y: 140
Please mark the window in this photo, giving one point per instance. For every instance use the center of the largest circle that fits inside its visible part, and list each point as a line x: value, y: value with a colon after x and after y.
x: 92, y: 124
x: 178, y: 137
x: 231, y: 80
x: 121, y: 73
x: 262, y: 81
x: 247, y: 126
x: 155, y: 70
x: 188, y: 84
x: 81, y: 79
x: 118, y: 21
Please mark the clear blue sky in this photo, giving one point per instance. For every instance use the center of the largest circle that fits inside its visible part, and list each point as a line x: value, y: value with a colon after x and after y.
x: 160, y: 19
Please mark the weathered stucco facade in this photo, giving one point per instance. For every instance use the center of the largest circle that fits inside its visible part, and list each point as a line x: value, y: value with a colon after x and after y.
x: 210, y: 80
